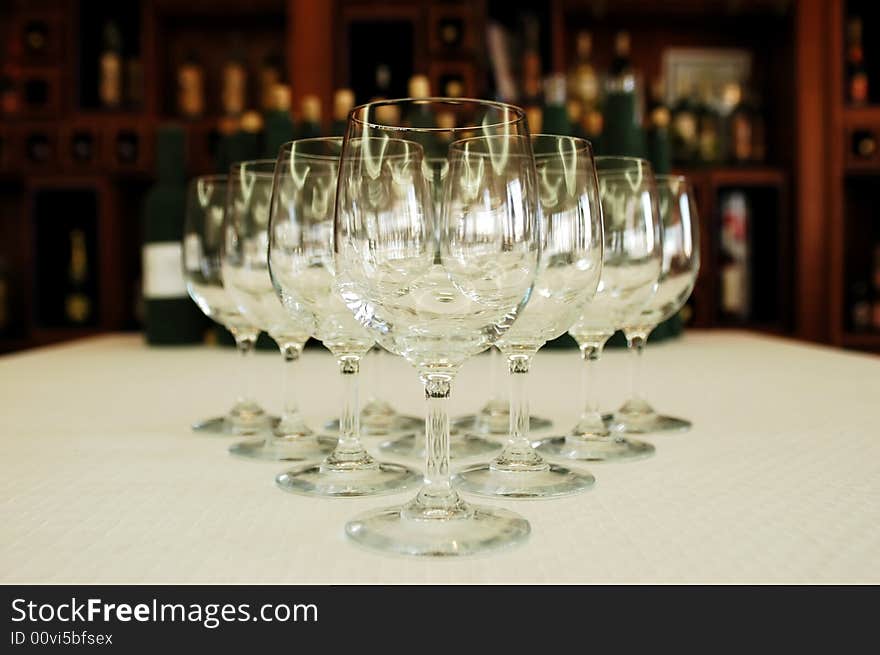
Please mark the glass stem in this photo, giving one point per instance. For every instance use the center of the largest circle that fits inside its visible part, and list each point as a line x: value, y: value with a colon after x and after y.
x: 495, y: 379
x: 437, y: 492
x: 590, y: 353
x: 518, y: 453
x: 291, y: 422
x: 636, y: 342
x: 245, y: 343
x: 349, y: 420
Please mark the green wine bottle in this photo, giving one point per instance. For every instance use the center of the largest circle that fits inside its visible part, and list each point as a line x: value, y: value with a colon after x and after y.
x: 279, y: 124
x: 170, y: 317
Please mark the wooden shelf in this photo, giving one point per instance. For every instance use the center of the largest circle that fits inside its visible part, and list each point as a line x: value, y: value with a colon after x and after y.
x: 866, y: 340
x: 860, y: 116
x: 738, y: 175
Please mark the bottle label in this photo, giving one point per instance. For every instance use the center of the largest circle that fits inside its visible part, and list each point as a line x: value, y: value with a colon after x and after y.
x: 163, y: 271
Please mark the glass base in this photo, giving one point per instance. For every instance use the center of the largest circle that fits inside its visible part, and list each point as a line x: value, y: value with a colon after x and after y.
x: 546, y: 481
x: 612, y: 448
x: 285, y: 449
x: 376, y: 479
x: 460, y: 447
x: 223, y: 425
x: 398, y: 425
x: 422, y: 532
x: 645, y: 424
x: 494, y: 424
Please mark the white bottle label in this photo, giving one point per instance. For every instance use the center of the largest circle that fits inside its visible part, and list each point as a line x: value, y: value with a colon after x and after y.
x: 163, y: 271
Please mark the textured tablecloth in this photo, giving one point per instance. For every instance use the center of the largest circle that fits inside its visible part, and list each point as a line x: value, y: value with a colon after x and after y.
x: 102, y: 481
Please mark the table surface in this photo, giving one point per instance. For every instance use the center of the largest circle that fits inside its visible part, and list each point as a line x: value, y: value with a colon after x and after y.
x: 101, y: 480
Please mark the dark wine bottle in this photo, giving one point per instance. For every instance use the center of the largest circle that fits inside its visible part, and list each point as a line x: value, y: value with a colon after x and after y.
x: 856, y: 73
x: 555, y: 111
x: 309, y: 126
x: 170, y: 317
x: 343, y: 101
x: 279, y: 124
x: 77, y: 304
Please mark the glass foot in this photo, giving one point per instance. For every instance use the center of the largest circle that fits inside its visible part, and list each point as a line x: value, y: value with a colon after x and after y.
x: 547, y: 481
x: 319, y: 480
x: 223, y: 425
x: 494, y: 424
x: 399, y: 424
x: 287, y: 449
x: 410, y: 530
x: 644, y: 424
x: 460, y: 447
x: 612, y: 448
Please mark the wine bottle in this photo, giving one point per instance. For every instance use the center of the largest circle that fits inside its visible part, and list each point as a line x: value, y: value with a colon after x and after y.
x: 555, y: 112
x: 382, y: 88
x: 708, y: 128
x: 583, y: 82
x: 77, y: 304
x: 279, y: 124
x: 110, y: 67
x: 685, y: 130
x: 191, y: 87
x: 659, y: 141
x: 531, y: 69
x: 735, y: 296
x: 309, y: 125
x: 861, y: 310
x: 856, y: 73
x: 623, y: 132
x: 343, y: 101
x: 248, y: 139
x: 419, y: 115
x: 233, y: 98
x: 864, y: 145
x: 170, y: 317
x: 739, y: 127
x: 270, y: 77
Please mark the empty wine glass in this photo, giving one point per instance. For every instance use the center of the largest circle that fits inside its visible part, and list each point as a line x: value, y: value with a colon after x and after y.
x: 494, y: 417
x: 571, y: 262
x: 301, y: 266
x: 435, y: 170
x: 437, y: 289
x: 630, y: 274
x: 245, y: 264
x: 202, y: 245
x: 681, y: 262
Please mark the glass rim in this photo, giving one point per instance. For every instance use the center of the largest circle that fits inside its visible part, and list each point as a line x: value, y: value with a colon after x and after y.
x: 247, y: 163
x: 288, y: 146
x: 623, y: 158
x: 519, y: 112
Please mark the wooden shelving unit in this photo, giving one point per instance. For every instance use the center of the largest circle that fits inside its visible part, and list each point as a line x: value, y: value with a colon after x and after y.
x: 792, y: 41
x: 852, y: 185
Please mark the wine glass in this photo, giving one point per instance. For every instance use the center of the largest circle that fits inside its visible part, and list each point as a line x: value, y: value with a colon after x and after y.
x: 571, y: 262
x: 202, y: 245
x: 437, y: 288
x: 301, y: 266
x: 681, y: 262
x: 245, y: 267
x: 435, y: 168
x: 630, y: 274
x: 493, y: 419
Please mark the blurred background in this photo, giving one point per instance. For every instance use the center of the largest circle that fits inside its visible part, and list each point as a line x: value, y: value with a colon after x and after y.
x: 772, y: 107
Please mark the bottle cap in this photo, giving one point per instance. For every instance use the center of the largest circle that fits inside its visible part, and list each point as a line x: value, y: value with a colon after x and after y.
x: 622, y: 44
x: 575, y: 110
x: 584, y: 44
x: 343, y: 101
x: 251, y: 121
x: 311, y: 108
x: 281, y: 97
x: 554, y: 89
x: 454, y: 89
x: 419, y: 87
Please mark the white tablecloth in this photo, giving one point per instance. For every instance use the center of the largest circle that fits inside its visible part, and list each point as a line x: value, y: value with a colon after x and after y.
x: 102, y: 481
